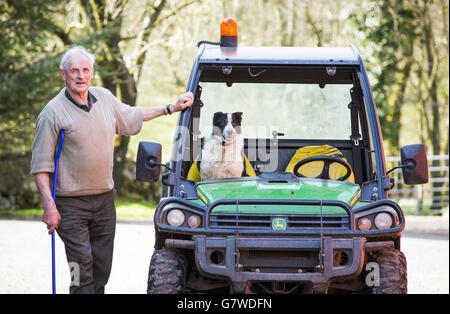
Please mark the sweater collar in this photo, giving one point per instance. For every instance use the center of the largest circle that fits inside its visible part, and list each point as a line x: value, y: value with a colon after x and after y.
x: 91, y: 100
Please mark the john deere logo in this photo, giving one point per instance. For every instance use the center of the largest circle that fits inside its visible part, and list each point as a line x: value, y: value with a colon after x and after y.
x: 279, y: 224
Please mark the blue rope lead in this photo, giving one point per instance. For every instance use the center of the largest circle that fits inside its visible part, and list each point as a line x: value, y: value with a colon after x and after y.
x: 55, y: 176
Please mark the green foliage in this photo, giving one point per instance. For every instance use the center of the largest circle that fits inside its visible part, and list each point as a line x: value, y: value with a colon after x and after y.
x: 33, y: 35
x: 28, y: 69
x: 408, y: 42
x: 28, y: 79
x: 391, y: 38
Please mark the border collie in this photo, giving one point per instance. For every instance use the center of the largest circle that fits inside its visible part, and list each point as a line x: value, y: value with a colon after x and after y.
x: 222, y: 150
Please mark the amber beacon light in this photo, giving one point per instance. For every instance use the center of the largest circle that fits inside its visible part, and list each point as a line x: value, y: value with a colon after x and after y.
x: 228, y: 33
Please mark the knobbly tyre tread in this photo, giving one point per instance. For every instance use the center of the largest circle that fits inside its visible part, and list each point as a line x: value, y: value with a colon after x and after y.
x: 167, y: 272
x: 393, y: 272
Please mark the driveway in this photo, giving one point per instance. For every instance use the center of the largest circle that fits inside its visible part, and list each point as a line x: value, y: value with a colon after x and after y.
x: 25, y: 257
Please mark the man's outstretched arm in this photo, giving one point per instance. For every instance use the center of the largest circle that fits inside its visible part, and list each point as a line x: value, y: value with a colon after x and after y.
x: 182, y: 102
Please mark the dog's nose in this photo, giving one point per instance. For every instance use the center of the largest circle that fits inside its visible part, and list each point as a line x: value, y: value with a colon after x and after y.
x: 228, y: 132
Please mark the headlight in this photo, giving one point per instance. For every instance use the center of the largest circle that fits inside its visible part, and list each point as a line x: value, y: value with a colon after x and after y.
x: 364, y: 224
x: 383, y: 221
x: 194, y: 221
x: 175, y: 217
x: 380, y: 217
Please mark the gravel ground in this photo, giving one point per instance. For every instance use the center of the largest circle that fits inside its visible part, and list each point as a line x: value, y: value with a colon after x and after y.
x: 25, y: 257
x: 425, y: 242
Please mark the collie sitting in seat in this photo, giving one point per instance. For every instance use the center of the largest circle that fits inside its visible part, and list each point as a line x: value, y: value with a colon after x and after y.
x: 222, y: 151
x: 222, y: 154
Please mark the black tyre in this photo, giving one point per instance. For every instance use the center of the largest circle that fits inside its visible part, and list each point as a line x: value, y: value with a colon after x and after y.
x: 393, y: 272
x: 167, y: 272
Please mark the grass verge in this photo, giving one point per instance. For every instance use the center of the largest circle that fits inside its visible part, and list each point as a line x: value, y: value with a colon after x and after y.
x: 126, y: 211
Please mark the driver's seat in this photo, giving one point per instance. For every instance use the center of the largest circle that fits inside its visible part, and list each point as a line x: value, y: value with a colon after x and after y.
x: 314, y: 168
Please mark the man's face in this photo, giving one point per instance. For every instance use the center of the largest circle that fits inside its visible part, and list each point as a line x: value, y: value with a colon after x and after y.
x: 79, y: 74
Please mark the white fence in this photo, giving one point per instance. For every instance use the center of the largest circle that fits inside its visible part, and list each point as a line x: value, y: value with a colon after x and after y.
x: 432, y: 197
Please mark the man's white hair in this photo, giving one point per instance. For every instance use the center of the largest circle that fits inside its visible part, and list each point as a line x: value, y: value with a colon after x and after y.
x: 72, y: 52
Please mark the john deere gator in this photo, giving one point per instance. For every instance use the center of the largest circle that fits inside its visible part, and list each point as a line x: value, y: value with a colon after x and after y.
x: 311, y: 214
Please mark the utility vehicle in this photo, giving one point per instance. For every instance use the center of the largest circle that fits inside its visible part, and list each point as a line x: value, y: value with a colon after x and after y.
x: 314, y: 215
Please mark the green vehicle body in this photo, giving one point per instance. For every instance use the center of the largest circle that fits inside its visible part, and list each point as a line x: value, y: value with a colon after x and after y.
x: 275, y: 232
x: 254, y: 189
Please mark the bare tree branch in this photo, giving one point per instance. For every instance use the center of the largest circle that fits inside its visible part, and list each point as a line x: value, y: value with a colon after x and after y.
x: 315, y: 29
x: 175, y: 11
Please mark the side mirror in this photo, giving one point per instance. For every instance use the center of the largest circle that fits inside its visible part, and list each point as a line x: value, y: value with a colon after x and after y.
x: 148, y: 162
x: 414, y: 164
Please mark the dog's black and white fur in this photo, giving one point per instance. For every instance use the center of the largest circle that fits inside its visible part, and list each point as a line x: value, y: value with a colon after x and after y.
x: 222, y: 150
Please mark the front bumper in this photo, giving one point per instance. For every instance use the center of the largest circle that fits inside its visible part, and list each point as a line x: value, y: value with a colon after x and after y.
x: 240, y: 260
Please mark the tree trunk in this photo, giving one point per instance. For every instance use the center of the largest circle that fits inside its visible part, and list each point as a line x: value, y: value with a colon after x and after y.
x: 128, y: 93
x: 399, y: 101
x: 432, y: 91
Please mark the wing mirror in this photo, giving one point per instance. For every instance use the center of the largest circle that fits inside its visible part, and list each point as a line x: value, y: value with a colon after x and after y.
x: 148, y: 162
x: 414, y: 164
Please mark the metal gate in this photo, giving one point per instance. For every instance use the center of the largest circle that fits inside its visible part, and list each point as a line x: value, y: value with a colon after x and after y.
x: 430, y: 198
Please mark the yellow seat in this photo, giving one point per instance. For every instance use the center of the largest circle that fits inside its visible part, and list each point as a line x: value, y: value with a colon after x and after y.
x: 314, y: 168
x: 194, y: 170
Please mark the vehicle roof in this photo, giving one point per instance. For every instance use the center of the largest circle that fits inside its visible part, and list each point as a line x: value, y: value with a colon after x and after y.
x: 281, y: 55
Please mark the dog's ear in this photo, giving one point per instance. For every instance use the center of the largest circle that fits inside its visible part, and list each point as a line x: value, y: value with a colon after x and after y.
x: 217, y: 117
x: 237, y: 117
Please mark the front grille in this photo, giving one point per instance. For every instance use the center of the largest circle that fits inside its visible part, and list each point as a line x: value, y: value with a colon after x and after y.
x: 261, y: 221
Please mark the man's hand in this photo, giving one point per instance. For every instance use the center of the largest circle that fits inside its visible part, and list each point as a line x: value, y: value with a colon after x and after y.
x: 183, y: 102
x: 51, y: 216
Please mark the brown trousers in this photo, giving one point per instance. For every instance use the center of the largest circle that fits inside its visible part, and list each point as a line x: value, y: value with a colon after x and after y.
x: 87, y: 228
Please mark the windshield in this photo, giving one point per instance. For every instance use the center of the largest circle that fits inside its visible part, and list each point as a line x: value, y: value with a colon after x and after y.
x: 299, y: 111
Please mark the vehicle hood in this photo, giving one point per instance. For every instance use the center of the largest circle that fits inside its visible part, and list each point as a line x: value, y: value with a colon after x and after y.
x: 246, y: 188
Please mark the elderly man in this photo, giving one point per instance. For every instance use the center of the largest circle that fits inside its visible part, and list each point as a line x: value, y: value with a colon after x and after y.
x: 84, y: 213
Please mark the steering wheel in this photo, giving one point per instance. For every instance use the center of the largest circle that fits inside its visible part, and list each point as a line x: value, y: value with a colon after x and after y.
x: 327, y: 161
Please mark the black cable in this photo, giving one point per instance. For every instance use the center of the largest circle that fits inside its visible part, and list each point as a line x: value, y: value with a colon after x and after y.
x: 207, y: 42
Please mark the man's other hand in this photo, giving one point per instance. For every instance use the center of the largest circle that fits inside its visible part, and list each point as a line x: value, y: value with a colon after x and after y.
x: 183, y: 102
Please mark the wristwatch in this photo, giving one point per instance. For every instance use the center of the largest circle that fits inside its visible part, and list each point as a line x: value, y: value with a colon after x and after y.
x: 168, y: 109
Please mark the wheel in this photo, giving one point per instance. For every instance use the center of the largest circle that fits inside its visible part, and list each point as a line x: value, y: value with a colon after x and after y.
x: 393, y: 272
x: 167, y: 272
x: 327, y: 161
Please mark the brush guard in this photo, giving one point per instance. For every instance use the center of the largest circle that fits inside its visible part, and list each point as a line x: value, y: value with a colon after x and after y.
x: 294, y: 255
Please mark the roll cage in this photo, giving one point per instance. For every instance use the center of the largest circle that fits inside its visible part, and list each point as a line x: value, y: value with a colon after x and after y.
x: 364, y: 148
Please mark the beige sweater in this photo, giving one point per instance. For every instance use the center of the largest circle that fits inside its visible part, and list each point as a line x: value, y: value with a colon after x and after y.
x: 86, y: 162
